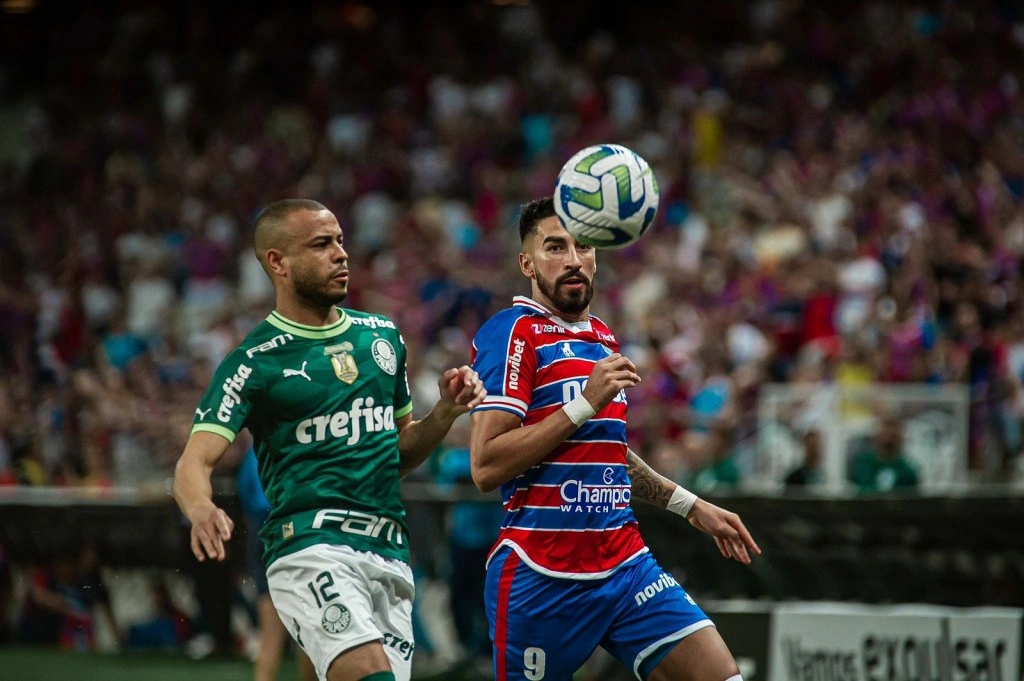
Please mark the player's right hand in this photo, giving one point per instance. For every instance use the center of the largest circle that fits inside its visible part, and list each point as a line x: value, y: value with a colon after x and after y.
x: 211, y: 527
x: 731, y: 535
x: 609, y: 376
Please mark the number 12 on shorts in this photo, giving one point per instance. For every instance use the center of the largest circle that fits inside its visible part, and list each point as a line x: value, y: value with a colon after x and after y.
x: 533, y: 663
x: 325, y: 582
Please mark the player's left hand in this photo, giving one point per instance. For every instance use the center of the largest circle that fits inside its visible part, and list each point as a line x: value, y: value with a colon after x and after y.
x: 728, y: 530
x: 461, y: 390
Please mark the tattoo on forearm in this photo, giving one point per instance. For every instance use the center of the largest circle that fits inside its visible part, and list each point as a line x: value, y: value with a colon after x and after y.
x: 648, y: 485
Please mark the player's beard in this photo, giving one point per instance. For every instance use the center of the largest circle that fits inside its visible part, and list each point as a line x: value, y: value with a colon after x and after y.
x: 567, y: 302
x: 316, y: 292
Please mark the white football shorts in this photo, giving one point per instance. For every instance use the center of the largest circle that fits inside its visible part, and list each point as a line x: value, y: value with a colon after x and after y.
x: 334, y: 598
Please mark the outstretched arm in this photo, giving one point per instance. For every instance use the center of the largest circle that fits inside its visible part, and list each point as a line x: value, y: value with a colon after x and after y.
x: 211, y: 526
x: 460, y: 390
x: 729, y: 532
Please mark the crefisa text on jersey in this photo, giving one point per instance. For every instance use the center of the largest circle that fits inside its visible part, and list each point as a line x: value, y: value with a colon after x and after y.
x: 232, y: 392
x: 373, y: 322
x: 346, y: 424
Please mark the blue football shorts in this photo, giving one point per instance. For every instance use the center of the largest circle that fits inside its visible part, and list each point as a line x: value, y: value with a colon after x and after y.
x: 545, y: 628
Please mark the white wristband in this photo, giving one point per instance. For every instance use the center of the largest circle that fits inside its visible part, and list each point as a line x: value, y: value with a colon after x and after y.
x: 579, y: 410
x: 681, y: 501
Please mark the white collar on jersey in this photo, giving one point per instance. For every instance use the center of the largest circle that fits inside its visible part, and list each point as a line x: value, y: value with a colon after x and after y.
x: 574, y: 327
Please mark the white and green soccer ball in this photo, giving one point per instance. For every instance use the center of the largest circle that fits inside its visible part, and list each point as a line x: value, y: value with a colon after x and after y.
x: 606, y: 196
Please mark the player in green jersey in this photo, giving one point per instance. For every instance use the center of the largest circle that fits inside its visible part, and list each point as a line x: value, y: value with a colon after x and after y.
x: 324, y: 393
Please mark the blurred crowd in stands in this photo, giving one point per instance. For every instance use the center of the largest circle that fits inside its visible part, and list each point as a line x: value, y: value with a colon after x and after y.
x: 841, y: 203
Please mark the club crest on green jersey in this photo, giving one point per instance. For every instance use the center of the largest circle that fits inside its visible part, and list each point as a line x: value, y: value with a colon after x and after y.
x: 385, y: 356
x: 344, y: 364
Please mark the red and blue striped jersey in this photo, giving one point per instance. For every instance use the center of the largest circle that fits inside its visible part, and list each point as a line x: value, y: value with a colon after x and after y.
x: 569, y: 515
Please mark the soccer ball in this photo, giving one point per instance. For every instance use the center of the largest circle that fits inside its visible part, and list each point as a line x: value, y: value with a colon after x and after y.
x: 606, y: 196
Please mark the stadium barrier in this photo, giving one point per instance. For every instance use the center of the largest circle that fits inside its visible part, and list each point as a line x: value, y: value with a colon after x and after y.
x: 958, y: 549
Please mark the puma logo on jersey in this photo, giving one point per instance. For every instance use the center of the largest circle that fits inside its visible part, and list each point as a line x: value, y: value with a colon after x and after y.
x: 362, y: 417
x: 297, y: 372
x: 201, y: 413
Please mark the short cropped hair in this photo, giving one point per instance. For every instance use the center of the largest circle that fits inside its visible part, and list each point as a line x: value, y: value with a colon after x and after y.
x: 533, y: 212
x: 277, y: 211
x: 270, y: 224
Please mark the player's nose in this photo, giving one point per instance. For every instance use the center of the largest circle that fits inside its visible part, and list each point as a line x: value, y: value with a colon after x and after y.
x: 573, y: 260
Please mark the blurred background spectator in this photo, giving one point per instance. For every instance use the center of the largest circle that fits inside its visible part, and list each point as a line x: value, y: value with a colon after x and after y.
x: 880, y: 465
x: 808, y: 473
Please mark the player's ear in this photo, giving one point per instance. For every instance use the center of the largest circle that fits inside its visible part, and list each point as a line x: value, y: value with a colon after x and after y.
x: 274, y: 261
x: 526, y: 265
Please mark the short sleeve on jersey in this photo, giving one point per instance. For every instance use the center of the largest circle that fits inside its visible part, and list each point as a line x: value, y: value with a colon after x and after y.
x: 226, y: 404
x: 403, y: 396
x: 506, y: 363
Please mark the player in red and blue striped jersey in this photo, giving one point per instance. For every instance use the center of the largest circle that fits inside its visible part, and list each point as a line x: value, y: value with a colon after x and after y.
x: 570, y: 571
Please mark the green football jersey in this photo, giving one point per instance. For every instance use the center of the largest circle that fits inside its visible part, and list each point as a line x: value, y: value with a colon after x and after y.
x: 321, y: 405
